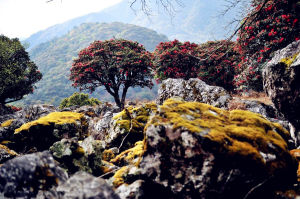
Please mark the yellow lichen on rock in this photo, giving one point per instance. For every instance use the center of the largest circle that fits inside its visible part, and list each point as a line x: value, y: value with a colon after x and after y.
x: 9, y: 151
x: 119, y: 176
x: 238, y: 133
x: 7, y: 123
x: 132, y: 155
x: 53, y: 118
x: 296, y: 153
x: 137, y: 117
x: 107, y: 155
x: 288, y: 61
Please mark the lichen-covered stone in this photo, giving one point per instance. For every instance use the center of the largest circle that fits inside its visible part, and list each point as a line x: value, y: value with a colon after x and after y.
x: 199, y: 151
x: 81, y: 185
x: 127, y: 127
x: 24, y: 176
x: 193, y: 90
x: 73, y: 157
x: 281, y: 78
x: 42, y: 133
x: 6, y: 154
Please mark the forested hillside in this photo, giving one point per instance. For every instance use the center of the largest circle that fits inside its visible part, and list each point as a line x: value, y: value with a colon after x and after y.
x: 191, y: 20
x: 54, y: 59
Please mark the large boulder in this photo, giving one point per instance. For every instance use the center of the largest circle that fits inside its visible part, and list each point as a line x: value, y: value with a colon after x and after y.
x: 42, y: 133
x: 195, y: 150
x: 23, y: 177
x: 81, y: 185
x: 193, y: 90
x: 281, y: 78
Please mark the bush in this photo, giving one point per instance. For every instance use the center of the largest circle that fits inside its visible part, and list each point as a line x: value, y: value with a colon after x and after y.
x: 78, y: 99
x: 270, y: 27
x: 175, y: 60
x: 217, y: 63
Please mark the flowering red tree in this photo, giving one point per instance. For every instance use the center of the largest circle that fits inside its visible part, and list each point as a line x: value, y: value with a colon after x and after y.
x: 217, y: 63
x: 271, y: 25
x: 175, y: 60
x: 114, y: 64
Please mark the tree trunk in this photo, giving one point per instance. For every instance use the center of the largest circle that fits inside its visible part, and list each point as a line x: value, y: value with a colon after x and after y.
x: 124, y: 96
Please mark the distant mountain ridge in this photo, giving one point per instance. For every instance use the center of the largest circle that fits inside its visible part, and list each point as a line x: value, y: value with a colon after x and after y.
x: 54, y: 59
x: 196, y: 21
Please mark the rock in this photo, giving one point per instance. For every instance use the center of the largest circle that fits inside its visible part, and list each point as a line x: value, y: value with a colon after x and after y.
x: 73, y: 157
x: 281, y: 78
x: 23, y: 177
x: 139, y: 189
x: 193, y: 90
x: 4, y: 110
x: 6, y: 154
x: 195, y: 150
x: 127, y: 127
x: 7, y: 128
x: 34, y: 112
x: 42, y: 133
x: 99, y: 128
x: 82, y: 185
x: 268, y: 111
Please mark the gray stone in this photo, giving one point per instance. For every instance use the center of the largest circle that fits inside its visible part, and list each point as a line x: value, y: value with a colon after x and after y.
x: 282, y: 84
x: 193, y: 90
x: 24, y: 176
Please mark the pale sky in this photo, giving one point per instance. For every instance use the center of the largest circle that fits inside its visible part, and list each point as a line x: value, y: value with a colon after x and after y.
x: 21, y: 18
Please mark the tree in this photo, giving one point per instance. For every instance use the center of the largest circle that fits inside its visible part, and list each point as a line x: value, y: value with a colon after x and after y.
x: 269, y: 26
x: 115, y: 64
x: 218, y: 60
x: 17, y: 73
x: 78, y: 99
x: 175, y: 60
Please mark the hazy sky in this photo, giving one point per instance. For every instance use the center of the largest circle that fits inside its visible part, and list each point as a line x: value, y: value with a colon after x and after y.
x: 21, y: 18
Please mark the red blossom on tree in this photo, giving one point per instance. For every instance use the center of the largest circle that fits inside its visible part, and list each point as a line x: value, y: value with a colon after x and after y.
x: 271, y: 25
x: 175, y: 60
x: 115, y: 64
x: 218, y: 61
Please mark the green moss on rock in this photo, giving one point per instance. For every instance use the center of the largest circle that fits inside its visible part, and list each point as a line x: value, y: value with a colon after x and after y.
x: 288, y: 61
x: 234, y: 133
x: 7, y: 123
x: 58, y: 118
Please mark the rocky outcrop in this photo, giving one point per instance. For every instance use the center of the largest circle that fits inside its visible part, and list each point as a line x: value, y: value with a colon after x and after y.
x: 73, y: 157
x: 42, y: 133
x: 281, y: 78
x: 193, y: 90
x: 81, y: 185
x: 23, y: 177
x: 127, y: 127
x: 198, y: 151
x: 6, y: 154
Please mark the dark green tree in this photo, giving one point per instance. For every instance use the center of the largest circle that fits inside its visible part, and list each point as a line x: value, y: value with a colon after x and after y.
x: 17, y: 73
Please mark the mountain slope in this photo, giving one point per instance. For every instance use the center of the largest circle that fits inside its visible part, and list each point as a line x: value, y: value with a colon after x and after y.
x: 195, y: 21
x: 54, y: 58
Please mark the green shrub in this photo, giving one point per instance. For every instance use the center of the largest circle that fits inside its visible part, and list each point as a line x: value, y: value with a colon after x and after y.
x: 78, y: 99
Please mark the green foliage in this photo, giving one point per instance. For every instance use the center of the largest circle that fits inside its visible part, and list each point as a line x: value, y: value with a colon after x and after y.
x: 79, y: 99
x: 116, y: 64
x: 17, y: 73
